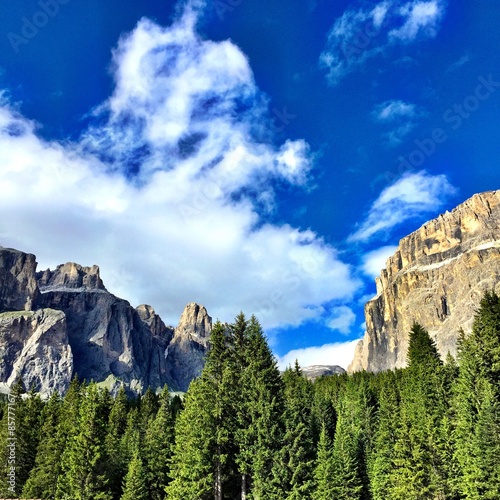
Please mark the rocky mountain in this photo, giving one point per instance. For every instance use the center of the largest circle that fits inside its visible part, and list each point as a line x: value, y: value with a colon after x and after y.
x: 436, y: 277
x: 315, y: 371
x: 57, y: 323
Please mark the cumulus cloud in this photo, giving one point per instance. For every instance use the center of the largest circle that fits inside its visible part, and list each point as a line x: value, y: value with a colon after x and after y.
x: 342, y: 319
x: 360, y: 35
x: 338, y: 353
x: 374, y: 261
x: 168, y: 190
x: 412, y: 195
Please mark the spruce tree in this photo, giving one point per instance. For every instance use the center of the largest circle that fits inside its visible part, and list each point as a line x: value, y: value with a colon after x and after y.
x: 43, y: 478
x: 117, y: 452
x: 134, y: 487
x: 298, y: 449
x: 202, y: 437
x: 477, y: 396
x: 85, y: 462
x: 158, y: 446
x: 381, y: 461
x: 323, y: 472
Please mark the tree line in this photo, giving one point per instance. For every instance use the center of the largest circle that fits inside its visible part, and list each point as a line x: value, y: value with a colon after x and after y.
x: 246, y: 431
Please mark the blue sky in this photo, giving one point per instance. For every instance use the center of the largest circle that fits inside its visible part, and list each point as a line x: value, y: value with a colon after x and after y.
x: 244, y: 154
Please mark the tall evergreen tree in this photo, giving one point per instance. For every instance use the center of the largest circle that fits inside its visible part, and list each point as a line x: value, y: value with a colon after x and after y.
x: 134, y: 487
x: 158, y: 446
x: 85, y: 462
x: 477, y: 403
x: 323, y: 472
x: 43, y: 478
x: 298, y: 449
x: 117, y: 452
x: 200, y: 451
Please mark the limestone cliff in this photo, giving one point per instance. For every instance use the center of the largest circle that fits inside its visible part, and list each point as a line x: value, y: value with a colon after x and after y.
x: 34, y: 347
x: 186, y: 352
x: 18, y: 286
x: 57, y: 323
x: 436, y: 277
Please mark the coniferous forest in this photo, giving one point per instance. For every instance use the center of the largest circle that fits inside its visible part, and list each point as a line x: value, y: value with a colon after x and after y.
x: 245, y: 431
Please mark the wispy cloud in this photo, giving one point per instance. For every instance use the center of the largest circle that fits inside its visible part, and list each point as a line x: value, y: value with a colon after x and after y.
x: 169, y: 189
x: 401, y: 117
x: 360, y: 35
x: 459, y: 63
x: 390, y: 111
x: 339, y: 353
x: 413, y: 195
x: 374, y: 261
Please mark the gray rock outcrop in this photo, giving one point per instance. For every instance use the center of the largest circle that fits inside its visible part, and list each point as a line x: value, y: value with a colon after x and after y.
x: 18, y: 286
x: 436, y: 277
x: 71, y: 275
x: 34, y: 347
x: 186, y: 353
x: 315, y: 371
x: 67, y: 323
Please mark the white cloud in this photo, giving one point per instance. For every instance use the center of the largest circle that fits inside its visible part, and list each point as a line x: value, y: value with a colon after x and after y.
x: 394, y: 110
x: 414, y: 194
x: 374, y: 261
x: 402, y: 117
x: 168, y: 190
x: 339, y: 353
x: 420, y: 18
x: 341, y: 319
x: 360, y: 35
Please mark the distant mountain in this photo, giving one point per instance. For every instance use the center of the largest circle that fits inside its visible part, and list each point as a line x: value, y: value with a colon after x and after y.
x: 436, y: 277
x: 58, y: 323
x: 315, y: 371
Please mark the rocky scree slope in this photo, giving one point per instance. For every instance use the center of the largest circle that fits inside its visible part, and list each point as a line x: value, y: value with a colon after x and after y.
x: 436, y: 277
x: 58, y: 323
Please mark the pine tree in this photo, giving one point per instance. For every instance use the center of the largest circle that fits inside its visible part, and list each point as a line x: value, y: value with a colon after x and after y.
x: 118, y: 454
x: 134, y: 487
x: 381, y: 462
x: 43, y: 478
x: 346, y: 452
x: 298, y: 450
x: 477, y: 397
x: 200, y: 450
x: 192, y: 472
x: 266, y: 409
x: 323, y: 471
x: 158, y: 446
x: 84, y: 462
x: 422, y: 350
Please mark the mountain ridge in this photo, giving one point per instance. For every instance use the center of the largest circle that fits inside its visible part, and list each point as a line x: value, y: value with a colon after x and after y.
x: 436, y: 277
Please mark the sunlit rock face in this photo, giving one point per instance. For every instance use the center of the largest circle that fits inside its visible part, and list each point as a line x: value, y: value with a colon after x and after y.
x: 59, y: 323
x: 436, y: 277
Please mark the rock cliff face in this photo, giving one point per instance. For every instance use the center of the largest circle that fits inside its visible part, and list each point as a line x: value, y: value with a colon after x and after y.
x: 18, y: 286
x: 436, y: 277
x: 186, y: 352
x: 34, y: 346
x: 55, y: 324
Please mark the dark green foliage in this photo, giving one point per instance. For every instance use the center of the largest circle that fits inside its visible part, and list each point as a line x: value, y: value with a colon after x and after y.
x: 477, y: 399
x: 134, y: 487
x: 245, y: 431
x: 44, y: 476
x: 422, y: 350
